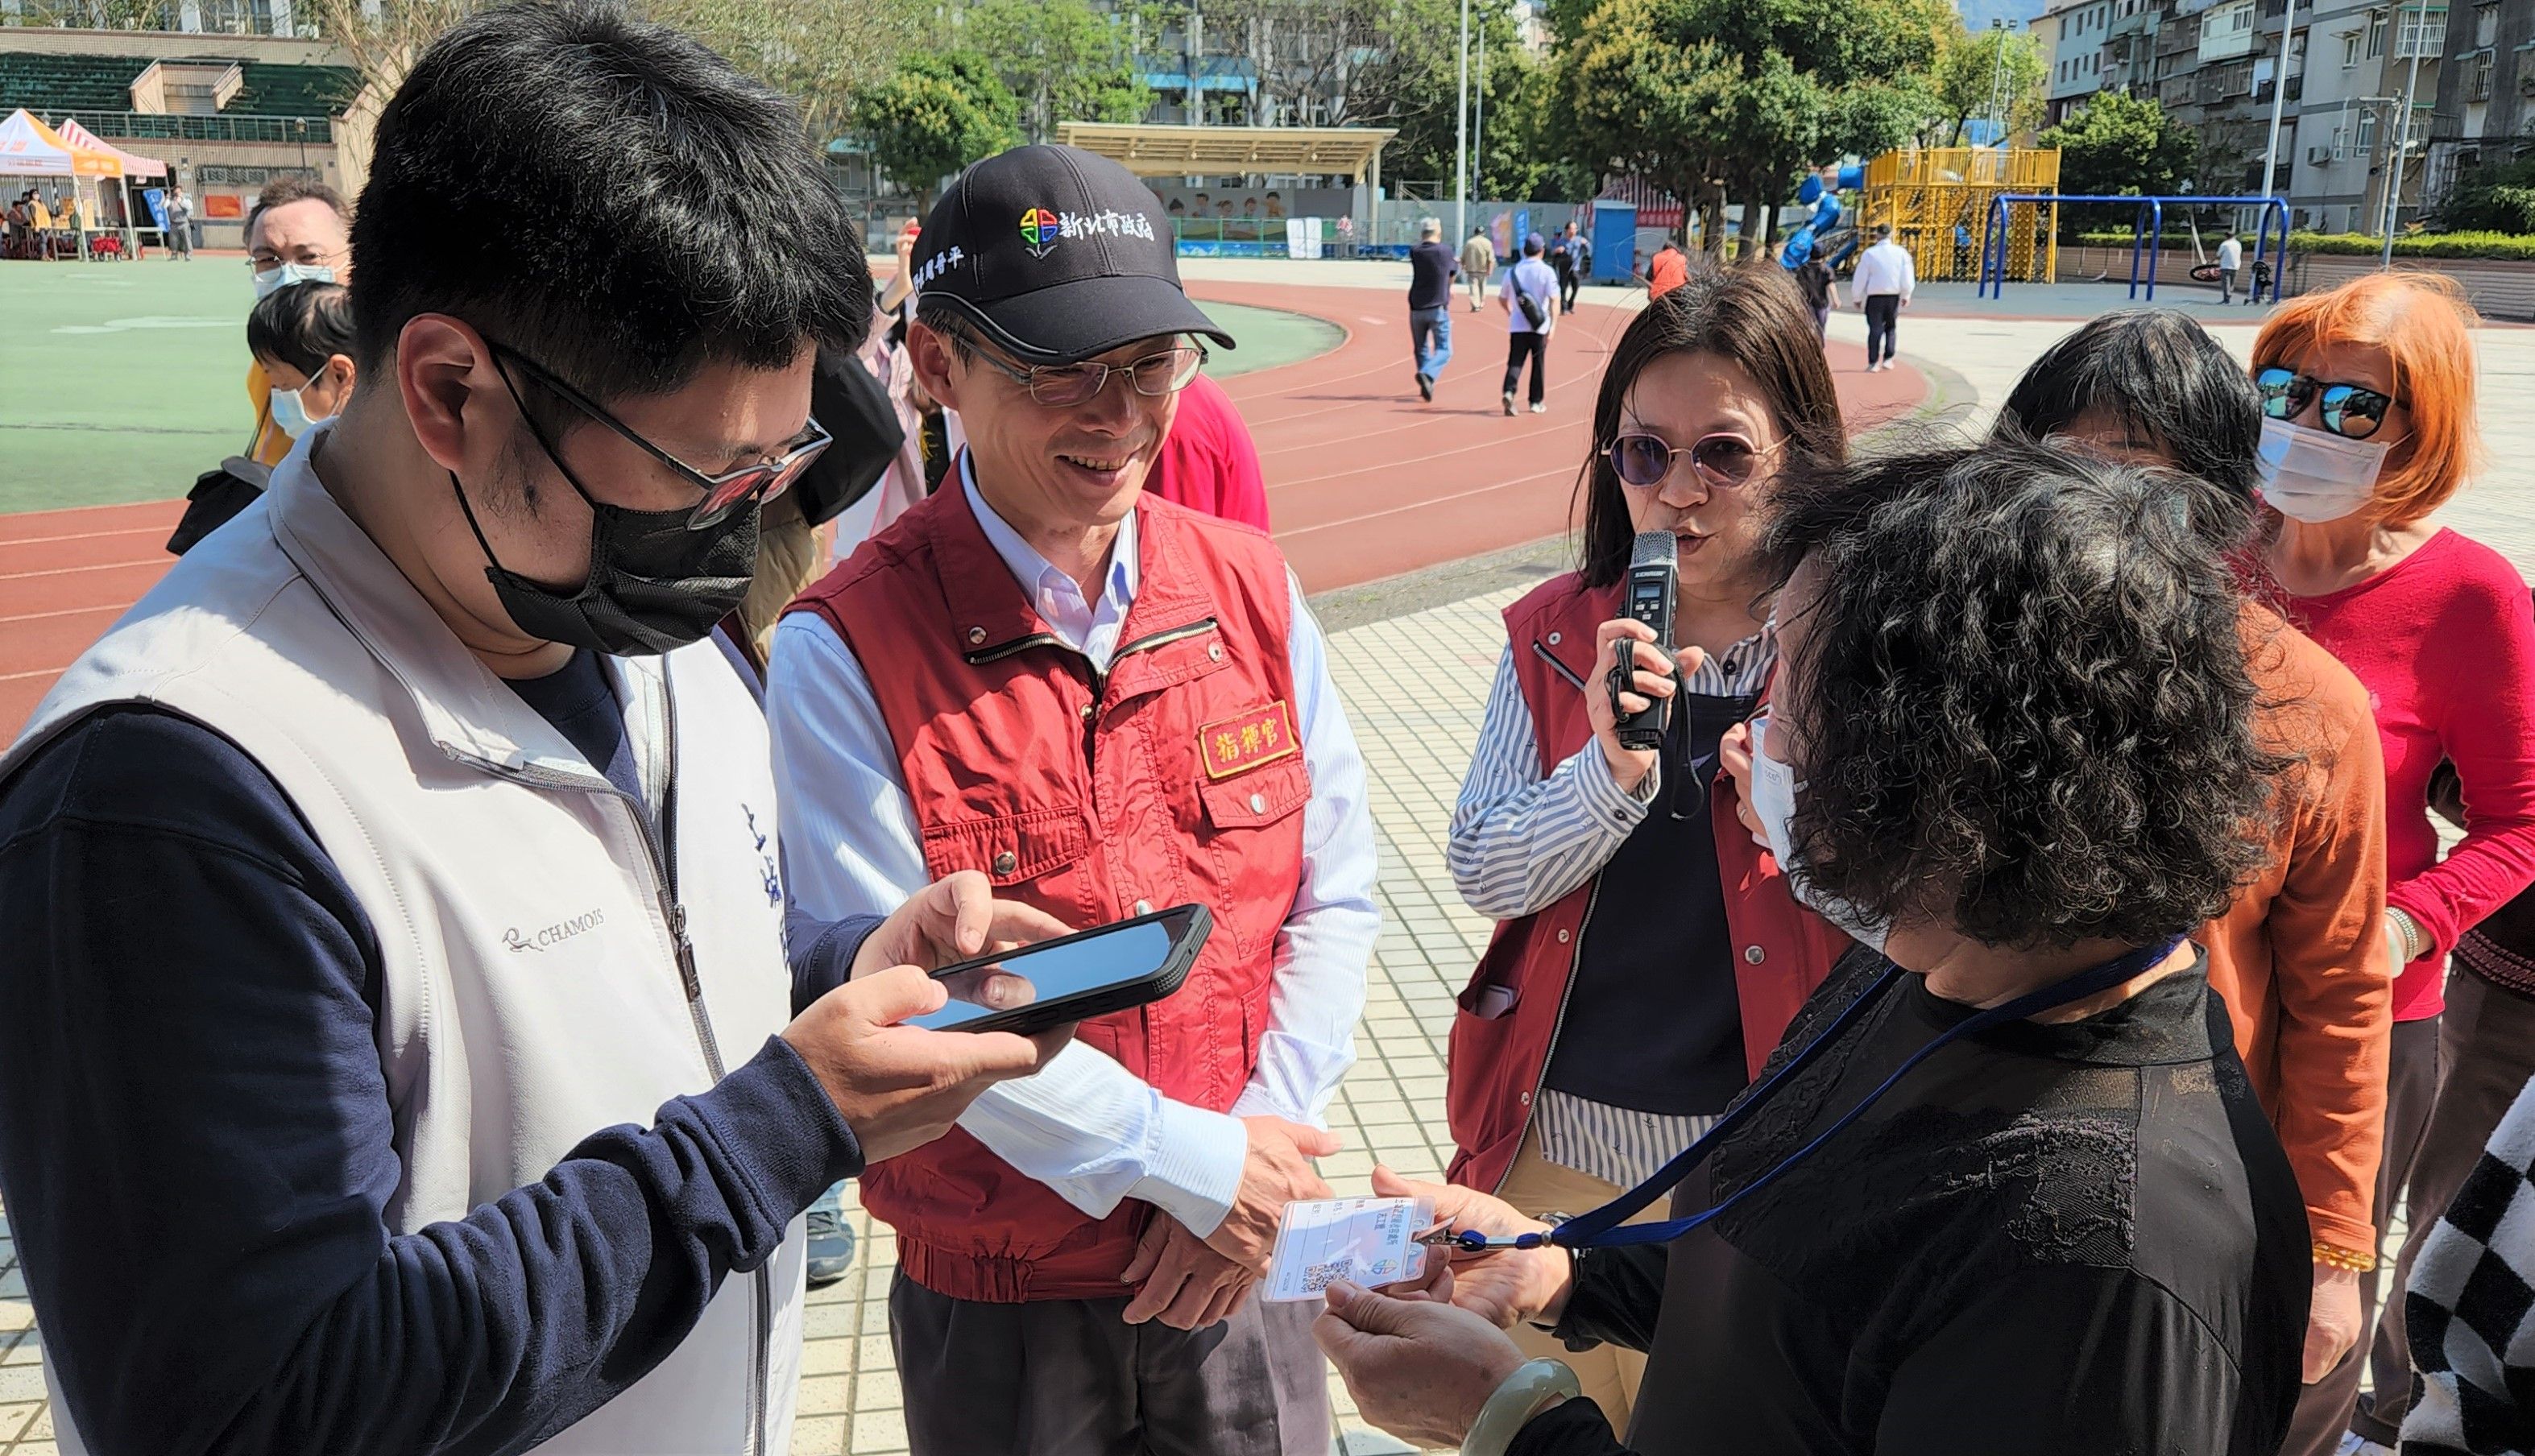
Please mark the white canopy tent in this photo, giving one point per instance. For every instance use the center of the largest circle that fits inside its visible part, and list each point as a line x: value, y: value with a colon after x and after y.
x: 31, y: 148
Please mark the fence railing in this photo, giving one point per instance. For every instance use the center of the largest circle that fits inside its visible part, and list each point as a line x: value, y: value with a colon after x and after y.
x: 175, y: 126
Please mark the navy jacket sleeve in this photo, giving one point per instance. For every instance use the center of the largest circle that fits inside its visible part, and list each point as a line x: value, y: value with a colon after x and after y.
x: 196, y: 1146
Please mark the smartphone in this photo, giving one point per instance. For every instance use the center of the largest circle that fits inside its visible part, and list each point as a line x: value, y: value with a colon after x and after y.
x: 1092, y: 973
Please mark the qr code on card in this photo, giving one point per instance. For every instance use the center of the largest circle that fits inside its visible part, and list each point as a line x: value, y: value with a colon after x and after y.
x: 1318, y: 1277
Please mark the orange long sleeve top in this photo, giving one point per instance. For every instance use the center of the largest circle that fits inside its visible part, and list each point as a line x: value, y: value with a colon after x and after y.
x: 2301, y: 957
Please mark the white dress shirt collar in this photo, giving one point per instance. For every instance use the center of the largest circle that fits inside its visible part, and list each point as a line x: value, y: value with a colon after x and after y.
x: 1089, y: 627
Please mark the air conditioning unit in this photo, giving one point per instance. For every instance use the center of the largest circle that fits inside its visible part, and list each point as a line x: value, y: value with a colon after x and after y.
x: 2316, y: 157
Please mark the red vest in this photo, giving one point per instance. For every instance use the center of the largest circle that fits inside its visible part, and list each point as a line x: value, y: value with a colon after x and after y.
x: 1511, y: 1010
x: 1179, y: 776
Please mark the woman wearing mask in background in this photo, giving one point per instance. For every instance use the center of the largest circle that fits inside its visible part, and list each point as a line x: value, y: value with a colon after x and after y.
x: 301, y: 338
x: 2369, y: 395
x: 1650, y: 953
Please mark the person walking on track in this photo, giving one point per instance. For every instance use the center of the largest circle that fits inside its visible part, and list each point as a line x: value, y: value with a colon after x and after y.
x: 1529, y: 298
x: 1478, y: 264
x: 1431, y: 267
x: 1881, y: 285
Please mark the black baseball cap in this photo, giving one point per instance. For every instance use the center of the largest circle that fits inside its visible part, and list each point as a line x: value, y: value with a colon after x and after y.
x: 1057, y: 255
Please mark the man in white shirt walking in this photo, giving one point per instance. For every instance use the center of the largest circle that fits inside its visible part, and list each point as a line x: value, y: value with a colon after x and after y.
x: 2231, y: 257
x: 1107, y: 705
x: 1881, y: 285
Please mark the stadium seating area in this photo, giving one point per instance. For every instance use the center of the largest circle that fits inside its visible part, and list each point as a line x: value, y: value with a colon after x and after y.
x: 274, y: 104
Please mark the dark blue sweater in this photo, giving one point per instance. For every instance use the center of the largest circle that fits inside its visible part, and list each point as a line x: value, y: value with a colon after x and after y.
x: 196, y: 1143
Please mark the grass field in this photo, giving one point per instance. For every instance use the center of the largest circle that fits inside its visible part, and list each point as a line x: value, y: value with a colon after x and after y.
x: 124, y: 381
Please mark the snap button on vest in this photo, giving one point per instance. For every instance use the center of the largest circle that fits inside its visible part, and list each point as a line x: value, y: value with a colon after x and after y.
x: 1006, y: 862
x: 1144, y: 907
x: 1754, y: 954
x: 1215, y: 652
x: 1258, y: 803
x: 976, y: 634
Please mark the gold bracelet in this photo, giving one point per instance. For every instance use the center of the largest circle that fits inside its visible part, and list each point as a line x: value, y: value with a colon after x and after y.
x: 2332, y: 1257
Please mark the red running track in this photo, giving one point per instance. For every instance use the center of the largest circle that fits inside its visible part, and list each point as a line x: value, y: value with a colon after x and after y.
x: 1363, y: 480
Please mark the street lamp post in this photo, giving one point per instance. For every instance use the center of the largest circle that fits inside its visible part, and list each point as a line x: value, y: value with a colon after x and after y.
x: 1461, y: 136
x: 2279, y: 96
x: 2403, y: 136
x: 1997, y: 75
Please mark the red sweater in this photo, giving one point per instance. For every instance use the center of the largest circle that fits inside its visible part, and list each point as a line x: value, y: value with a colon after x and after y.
x: 1210, y: 462
x: 2444, y: 643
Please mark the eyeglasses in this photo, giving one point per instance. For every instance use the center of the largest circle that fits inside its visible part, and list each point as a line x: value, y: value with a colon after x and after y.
x: 1059, y: 384
x: 2352, y: 412
x: 1728, y: 462
x: 723, y: 493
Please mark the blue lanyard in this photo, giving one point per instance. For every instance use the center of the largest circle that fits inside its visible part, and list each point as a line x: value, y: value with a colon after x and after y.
x: 1607, y: 1227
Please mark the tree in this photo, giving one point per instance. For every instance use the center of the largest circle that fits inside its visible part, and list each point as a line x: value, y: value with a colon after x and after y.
x: 2119, y: 145
x: 2494, y: 199
x: 1064, y: 60
x: 1512, y: 92
x: 933, y: 116
x: 1975, y: 71
x: 815, y: 52
x: 382, y: 38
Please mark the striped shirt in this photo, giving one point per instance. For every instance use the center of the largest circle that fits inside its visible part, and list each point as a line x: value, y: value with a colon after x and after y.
x: 1521, y: 843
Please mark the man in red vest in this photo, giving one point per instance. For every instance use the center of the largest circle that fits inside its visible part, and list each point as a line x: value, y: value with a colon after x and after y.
x: 1107, y: 704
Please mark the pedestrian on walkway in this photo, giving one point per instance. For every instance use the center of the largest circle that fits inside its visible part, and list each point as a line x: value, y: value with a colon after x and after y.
x: 2065, y: 1231
x: 1431, y: 266
x: 1051, y: 675
x: 428, y: 916
x: 1881, y: 284
x: 1668, y: 269
x: 2306, y: 973
x: 1562, y: 261
x: 1529, y: 297
x: 2231, y: 257
x: 1579, y: 267
x: 2367, y: 392
x: 1821, y: 288
x: 1478, y: 264
x: 1624, y: 887
x: 180, y: 224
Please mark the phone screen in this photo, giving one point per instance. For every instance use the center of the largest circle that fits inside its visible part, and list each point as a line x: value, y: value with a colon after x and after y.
x: 1089, y: 961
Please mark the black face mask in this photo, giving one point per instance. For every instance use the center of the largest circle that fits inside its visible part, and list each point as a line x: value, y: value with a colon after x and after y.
x: 653, y: 584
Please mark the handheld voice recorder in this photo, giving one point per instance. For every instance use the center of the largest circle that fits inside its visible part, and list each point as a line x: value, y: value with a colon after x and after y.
x: 1653, y: 563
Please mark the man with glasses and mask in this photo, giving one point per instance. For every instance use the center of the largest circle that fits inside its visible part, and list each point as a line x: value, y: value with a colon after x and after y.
x: 392, y: 894
x: 1108, y: 705
x: 300, y: 232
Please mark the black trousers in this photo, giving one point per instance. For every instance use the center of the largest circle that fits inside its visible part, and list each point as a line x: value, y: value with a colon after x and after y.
x: 1067, y: 1377
x: 1568, y: 282
x: 1532, y: 345
x: 1882, y: 314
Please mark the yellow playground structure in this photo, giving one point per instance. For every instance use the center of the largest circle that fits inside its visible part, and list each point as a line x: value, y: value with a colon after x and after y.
x: 1939, y: 203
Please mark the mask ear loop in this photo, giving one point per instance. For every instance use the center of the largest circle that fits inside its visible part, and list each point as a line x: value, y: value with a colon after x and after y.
x: 539, y: 434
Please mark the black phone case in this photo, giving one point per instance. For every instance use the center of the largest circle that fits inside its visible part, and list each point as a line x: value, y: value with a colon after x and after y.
x: 1039, y: 1016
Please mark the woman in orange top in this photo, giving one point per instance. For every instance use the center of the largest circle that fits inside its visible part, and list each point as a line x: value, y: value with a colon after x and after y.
x: 2299, y: 957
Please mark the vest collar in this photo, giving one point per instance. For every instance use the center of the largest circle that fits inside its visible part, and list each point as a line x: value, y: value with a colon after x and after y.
x: 469, y: 713
x: 991, y: 611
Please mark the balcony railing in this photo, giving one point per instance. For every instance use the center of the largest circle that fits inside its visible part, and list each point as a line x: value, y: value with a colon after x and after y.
x: 169, y: 125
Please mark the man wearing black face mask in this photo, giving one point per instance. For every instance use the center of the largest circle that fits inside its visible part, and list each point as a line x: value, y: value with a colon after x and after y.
x: 392, y: 895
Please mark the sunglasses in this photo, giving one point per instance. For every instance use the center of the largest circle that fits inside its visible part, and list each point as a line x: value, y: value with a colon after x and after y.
x: 1728, y: 462
x: 2351, y: 411
x: 1060, y: 385
x: 723, y: 493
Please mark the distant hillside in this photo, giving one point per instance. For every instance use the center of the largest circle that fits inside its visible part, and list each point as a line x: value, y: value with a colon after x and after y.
x: 1977, y: 14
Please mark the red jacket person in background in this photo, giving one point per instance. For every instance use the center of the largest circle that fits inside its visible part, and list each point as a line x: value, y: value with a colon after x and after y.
x: 1106, y: 703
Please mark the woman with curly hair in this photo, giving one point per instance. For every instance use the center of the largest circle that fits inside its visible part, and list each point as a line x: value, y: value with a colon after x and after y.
x: 2367, y: 393
x: 2004, y: 1187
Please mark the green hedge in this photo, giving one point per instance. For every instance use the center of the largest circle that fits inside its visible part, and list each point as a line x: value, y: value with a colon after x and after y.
x: 2409, y: 245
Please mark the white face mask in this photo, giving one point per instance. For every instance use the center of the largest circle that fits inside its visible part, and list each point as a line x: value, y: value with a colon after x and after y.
x: 290, y: 416
x: 289, y: 274
x: 1773, y: 790
x: 2316, y: 475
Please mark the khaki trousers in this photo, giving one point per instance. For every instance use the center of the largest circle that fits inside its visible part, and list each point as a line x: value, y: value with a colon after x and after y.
x: 1608, y: 1373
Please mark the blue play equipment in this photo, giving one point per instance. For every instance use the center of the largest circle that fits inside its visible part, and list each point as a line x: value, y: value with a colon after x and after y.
x: 2147, y: 237
x: 1824, y: 228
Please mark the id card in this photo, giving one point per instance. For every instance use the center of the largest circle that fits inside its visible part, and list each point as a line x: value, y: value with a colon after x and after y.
x: 1366, y: 1241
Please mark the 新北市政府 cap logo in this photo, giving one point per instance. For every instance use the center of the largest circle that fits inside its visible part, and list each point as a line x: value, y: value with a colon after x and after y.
x: 1040, y: 229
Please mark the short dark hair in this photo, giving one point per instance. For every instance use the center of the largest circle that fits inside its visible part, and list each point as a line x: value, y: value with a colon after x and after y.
x: 1759, y: 322
x: 2171, y: 386
x: 303, y: 325
x: 1884, y: 229
x: 2026, y: 711
x: 294, y: 187
x: 608, y: 197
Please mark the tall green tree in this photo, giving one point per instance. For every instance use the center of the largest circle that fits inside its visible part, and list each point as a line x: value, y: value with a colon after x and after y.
x: 1064, y: 60
x: 933, y: 115
x: 1976, y: 72
x: 1510, y: 94
x: 2119, y: 145
x: 815, y: 52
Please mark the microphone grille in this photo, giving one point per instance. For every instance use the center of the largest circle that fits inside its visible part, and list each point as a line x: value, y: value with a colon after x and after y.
x: 1654, y: 549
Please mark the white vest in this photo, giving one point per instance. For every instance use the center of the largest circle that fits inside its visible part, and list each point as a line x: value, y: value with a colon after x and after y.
x: 533, y: 994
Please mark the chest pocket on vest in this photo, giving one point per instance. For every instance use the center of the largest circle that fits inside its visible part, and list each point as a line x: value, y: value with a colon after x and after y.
x: 1010, y: 850
x: 1253, y: 820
